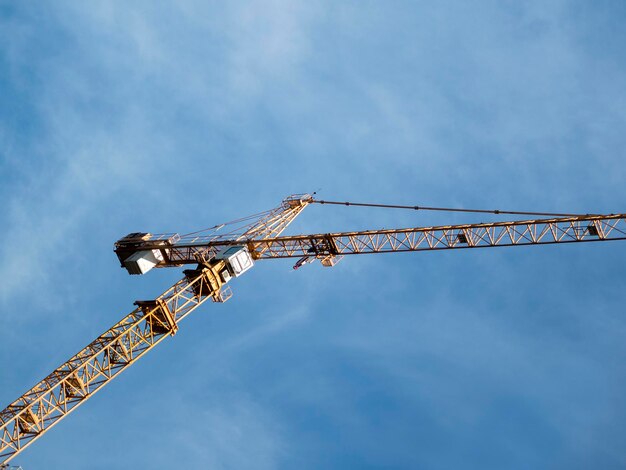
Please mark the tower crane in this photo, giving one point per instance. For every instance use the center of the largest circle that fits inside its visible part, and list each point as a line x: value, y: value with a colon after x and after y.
x: 215, y: 258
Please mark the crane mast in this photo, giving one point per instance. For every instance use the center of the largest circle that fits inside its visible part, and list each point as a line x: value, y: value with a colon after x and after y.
x: 79, y: 378
x: 218, y: 258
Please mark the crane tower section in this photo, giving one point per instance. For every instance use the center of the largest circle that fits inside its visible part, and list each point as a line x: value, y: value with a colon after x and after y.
x: 72, y: 383
x: 216, y: 255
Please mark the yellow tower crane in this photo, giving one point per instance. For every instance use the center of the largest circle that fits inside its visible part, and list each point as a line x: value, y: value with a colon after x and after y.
x: 220, y: 257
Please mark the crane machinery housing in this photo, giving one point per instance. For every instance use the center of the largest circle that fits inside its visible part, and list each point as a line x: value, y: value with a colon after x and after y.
x: 215, y: 258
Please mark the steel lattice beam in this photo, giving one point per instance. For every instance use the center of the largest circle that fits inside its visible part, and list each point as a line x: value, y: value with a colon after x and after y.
x: 528, y: 232
x: 71, y: 384
x: 532, y: 232
x: 75, y: 381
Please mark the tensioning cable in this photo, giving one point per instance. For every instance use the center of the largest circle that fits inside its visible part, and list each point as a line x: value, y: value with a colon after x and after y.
x: 446, y: 209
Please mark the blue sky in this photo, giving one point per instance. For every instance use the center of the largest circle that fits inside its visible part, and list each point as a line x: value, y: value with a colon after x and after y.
x: 174, y: 116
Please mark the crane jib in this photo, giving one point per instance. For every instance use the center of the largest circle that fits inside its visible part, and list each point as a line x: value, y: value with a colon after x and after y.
x: 220, y: 258
x: 527, y: 232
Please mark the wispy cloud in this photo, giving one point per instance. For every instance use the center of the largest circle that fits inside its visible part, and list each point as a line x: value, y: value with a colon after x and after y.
x: 177, y: 116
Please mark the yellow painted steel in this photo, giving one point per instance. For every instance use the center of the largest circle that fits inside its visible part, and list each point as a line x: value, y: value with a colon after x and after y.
x: 75, y: 381
x: 325, y: 246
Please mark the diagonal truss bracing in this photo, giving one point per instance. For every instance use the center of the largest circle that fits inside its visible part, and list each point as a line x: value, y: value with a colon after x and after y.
x: 75, y: 381
x: 72, y: 383
x: 271, y: 224
x: 528, y: 232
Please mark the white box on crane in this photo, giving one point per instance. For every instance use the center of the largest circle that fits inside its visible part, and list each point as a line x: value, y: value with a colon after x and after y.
x: 143, y: 261
x: 238, y: 259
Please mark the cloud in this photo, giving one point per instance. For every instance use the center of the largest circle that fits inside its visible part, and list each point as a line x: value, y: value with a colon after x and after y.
x: 175, y: 117
x: 229, y: 432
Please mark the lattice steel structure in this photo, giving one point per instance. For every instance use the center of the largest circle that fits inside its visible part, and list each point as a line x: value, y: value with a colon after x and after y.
x: 75, y: 381
x: 71, y: 384
x: 588, y: 228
